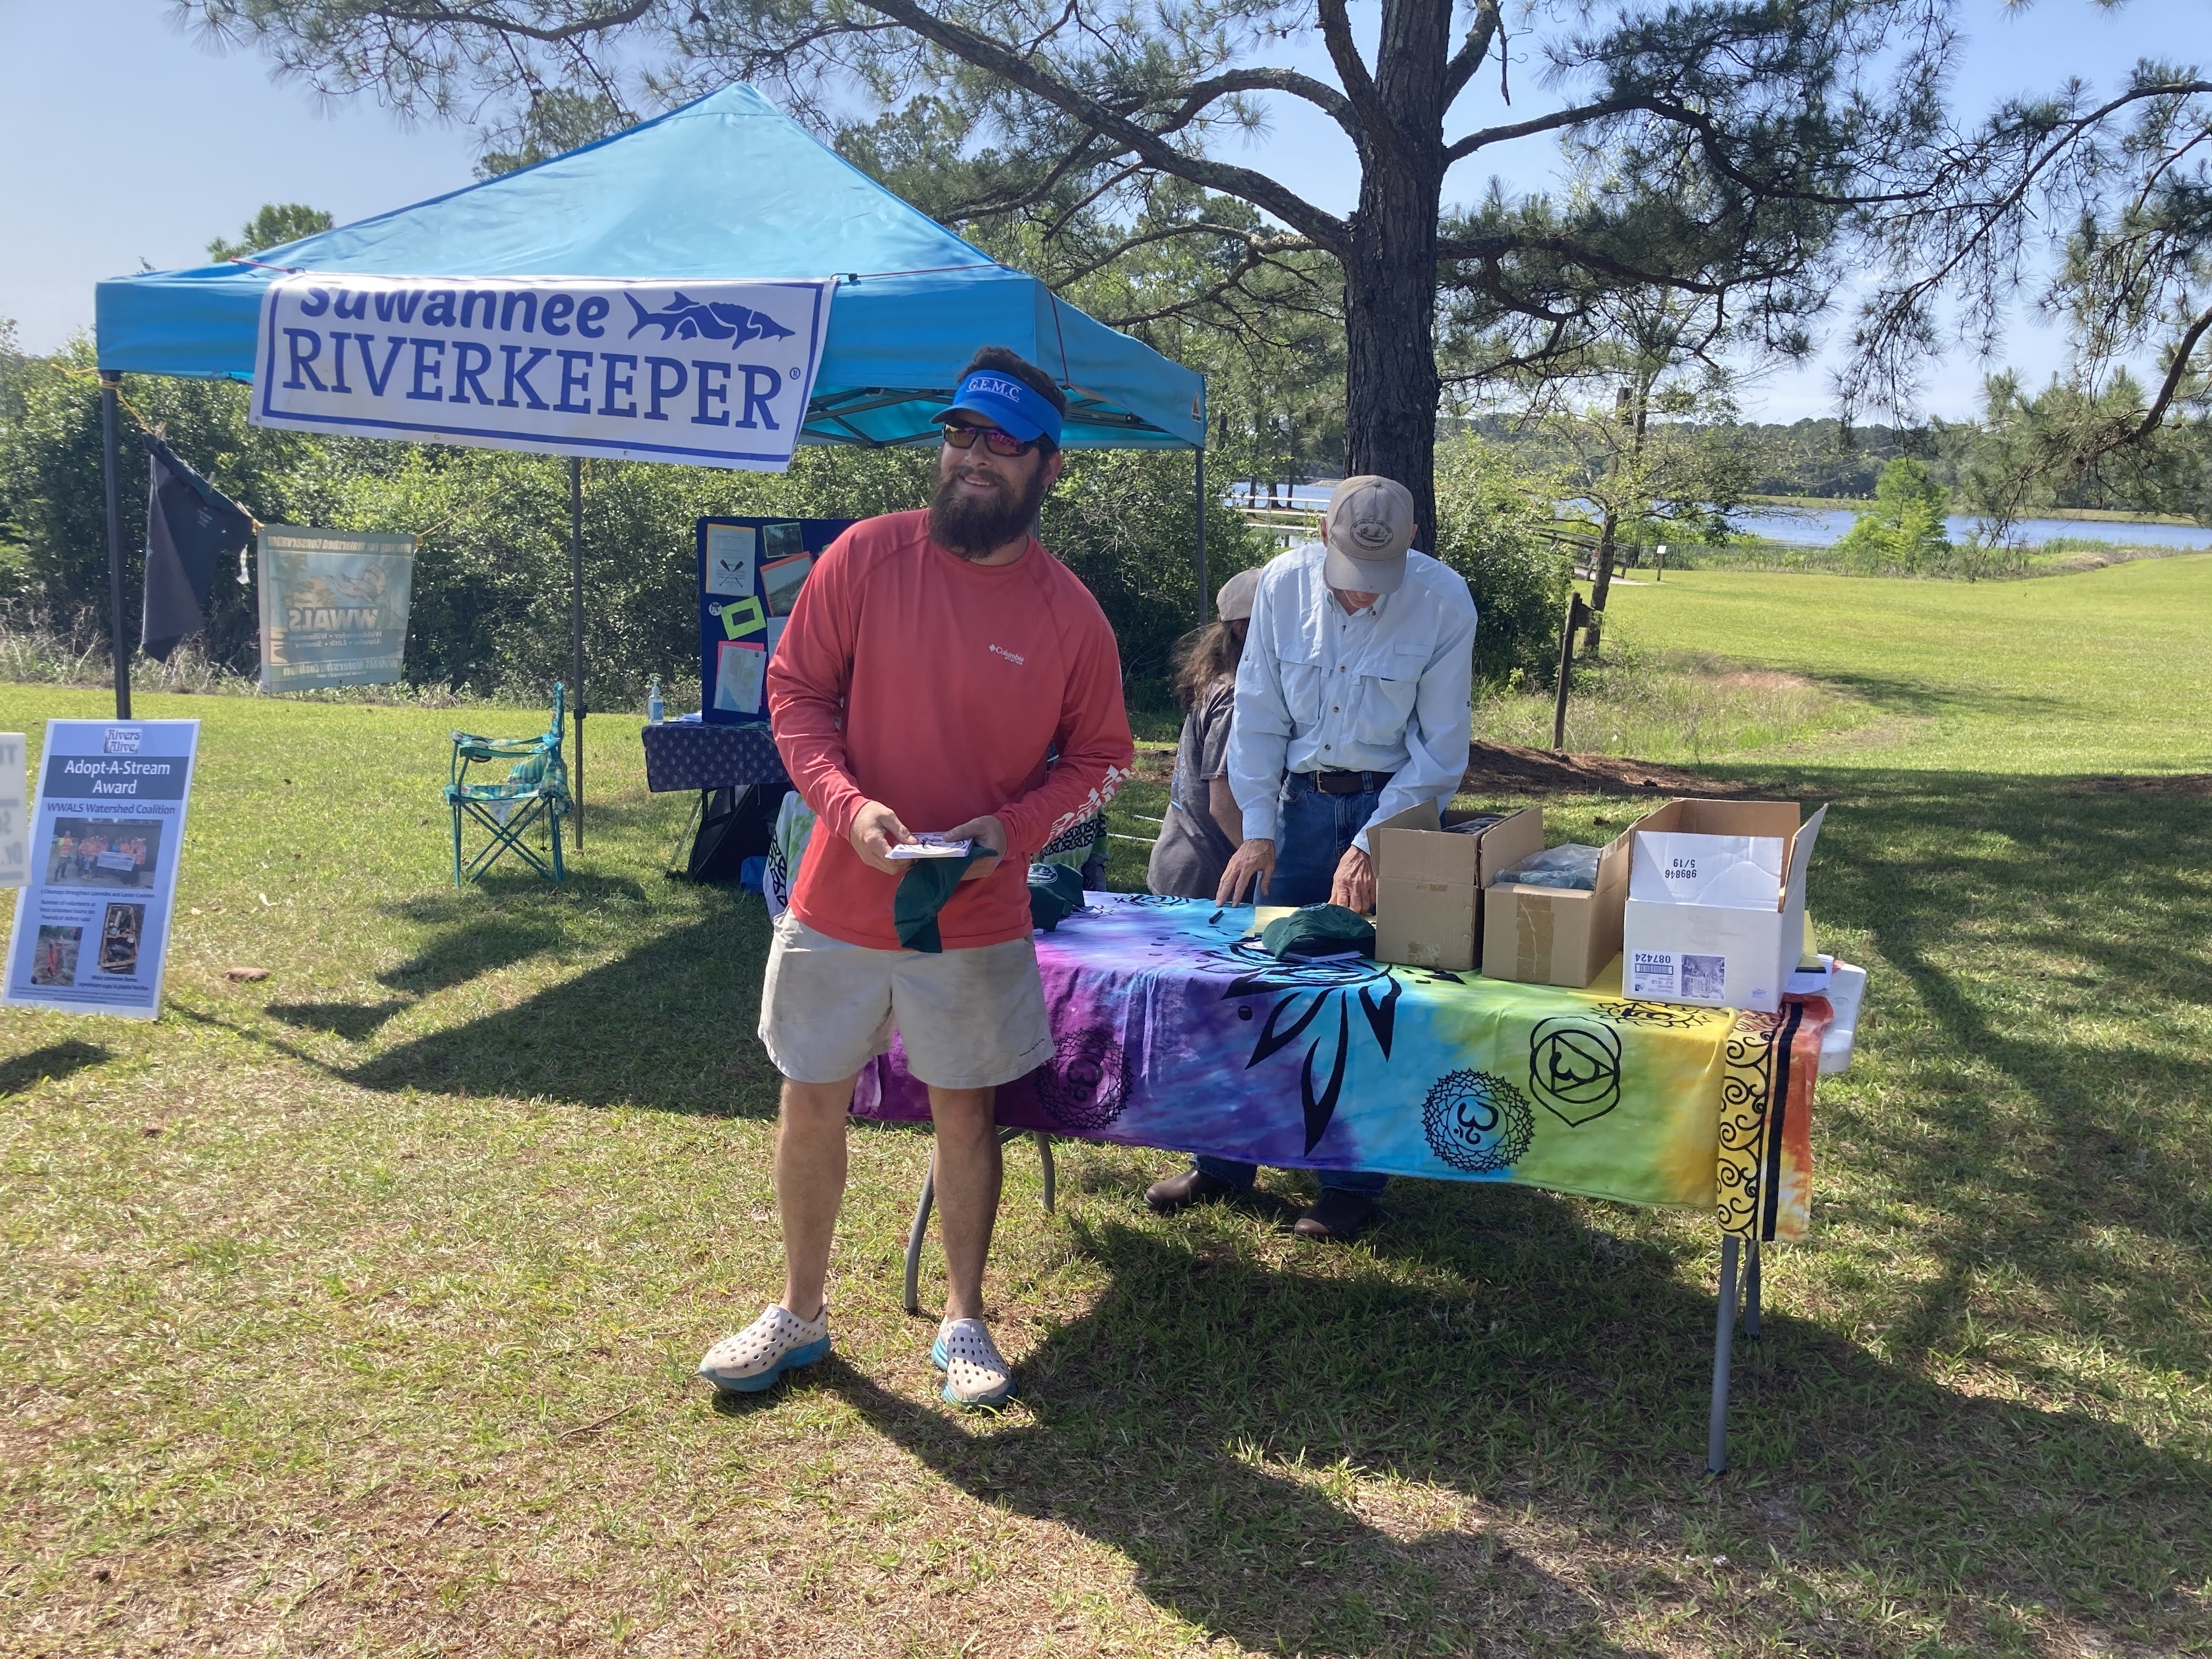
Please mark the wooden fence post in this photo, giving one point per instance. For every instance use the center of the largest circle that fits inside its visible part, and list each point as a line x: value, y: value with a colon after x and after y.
x: 1579, y: 614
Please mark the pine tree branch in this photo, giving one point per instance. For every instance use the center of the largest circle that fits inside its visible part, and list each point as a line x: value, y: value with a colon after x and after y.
x: 1358, y: 84
x: 1261, y: 191
x: 498, y: 23
x: 1469, y: 58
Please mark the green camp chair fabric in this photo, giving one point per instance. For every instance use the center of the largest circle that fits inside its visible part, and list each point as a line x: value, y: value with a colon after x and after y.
x: 1318, y: 930
x: 533, y: 794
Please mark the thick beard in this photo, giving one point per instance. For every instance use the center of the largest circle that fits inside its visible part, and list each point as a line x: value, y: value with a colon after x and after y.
x: 974, y: 529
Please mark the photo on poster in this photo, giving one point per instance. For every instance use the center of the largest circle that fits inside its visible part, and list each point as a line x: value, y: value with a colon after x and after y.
x: 782, y: 541
x: 85, y: 852
x: 53, y: 958
x: 781, y: 581
x: 729, y: 560
x: 119, y: 937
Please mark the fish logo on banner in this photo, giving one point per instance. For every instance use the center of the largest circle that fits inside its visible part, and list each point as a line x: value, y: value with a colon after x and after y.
x: 686, y: 318
x: 541, y: 364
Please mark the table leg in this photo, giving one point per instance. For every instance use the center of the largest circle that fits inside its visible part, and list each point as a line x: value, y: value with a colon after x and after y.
x: 1723, y: 1351
x: 698, y: 811
x: 919, y: 1231
x: 1751, y: 1288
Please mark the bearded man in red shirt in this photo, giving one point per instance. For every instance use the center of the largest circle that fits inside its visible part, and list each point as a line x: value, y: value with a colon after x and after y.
x: 933, y: 661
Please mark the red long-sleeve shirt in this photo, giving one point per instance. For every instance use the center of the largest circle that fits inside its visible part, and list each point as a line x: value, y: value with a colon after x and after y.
x: 912, y: 677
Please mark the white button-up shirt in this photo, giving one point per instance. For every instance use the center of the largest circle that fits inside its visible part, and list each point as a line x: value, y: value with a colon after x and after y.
x: 1322, y: 689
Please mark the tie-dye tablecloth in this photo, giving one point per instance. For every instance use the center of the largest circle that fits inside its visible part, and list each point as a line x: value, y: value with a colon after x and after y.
x: 1174, y: 1031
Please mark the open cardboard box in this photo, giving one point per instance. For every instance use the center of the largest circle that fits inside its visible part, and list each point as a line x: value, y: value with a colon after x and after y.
x: 1721, y: 956
x: 1429, y: 882
x: 1556, y: 935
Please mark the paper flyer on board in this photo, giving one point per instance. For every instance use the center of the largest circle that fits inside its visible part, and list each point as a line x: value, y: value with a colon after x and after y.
x: 92, y: 924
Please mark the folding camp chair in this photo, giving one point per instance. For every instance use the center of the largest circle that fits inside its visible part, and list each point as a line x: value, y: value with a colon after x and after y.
x: 534, y: 792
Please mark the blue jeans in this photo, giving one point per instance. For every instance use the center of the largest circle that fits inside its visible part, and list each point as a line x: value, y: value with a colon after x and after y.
x: 1310, y: 842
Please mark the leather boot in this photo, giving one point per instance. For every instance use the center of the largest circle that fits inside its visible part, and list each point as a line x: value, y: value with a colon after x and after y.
x: 1192, y: 1186
x: 1338, y: 1218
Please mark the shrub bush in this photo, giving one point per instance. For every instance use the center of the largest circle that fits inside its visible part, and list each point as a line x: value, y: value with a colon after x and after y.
x: 491, y: 599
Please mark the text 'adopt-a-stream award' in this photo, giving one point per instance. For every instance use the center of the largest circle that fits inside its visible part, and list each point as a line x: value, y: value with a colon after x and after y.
x: 92, y: 923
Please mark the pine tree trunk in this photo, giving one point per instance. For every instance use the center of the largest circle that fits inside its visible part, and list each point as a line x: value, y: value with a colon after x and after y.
x: 1602, y: 583
x: 1390, y: 280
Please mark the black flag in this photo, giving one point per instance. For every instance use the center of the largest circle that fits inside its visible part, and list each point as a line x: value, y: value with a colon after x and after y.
x: 190, y: 527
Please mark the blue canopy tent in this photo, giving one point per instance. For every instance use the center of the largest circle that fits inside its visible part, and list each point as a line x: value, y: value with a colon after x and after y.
x: 725, y: 187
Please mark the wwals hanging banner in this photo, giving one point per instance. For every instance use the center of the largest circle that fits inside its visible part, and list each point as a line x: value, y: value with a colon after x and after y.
x: 333, y: 606
x: 706, y: 374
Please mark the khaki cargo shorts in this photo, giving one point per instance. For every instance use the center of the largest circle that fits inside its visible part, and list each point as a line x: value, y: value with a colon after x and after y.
x: 971, y: 1019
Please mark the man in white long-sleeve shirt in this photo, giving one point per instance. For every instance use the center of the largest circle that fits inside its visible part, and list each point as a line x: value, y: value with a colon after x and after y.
x: 1352, y: 706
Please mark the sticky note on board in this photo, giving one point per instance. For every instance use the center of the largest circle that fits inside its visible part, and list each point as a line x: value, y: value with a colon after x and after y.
x: 740, y: 670
x: 743, y: 617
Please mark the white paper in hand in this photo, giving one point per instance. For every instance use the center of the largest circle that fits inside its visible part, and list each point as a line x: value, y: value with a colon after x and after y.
x: 930, y: 845
x: 1729, y: 872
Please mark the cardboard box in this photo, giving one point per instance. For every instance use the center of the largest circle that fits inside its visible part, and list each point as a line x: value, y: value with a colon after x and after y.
x: 1429, y: 882
x: 1556, y: 935
x: 1721, y: 956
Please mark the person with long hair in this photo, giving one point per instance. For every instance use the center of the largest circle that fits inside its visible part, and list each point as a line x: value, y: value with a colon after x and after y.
x: 1202, y: 827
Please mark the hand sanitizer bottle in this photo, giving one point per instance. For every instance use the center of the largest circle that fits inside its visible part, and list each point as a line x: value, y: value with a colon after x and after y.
x: 654, y: 708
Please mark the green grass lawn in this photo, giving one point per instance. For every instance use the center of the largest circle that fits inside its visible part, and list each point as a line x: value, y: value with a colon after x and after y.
x: 353, y: 1311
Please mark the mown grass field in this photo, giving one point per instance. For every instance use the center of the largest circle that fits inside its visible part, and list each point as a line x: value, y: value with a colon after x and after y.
x: 352, y: 1311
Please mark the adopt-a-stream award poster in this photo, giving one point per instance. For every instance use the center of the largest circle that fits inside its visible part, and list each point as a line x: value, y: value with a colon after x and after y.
x: 92, y: 924
x: 333, y: 606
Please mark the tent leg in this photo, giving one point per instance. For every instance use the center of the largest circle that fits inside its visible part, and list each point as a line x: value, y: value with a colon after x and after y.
x: 1724, y: 1352
x: 109, y: 383
x: 576, y: 627
x: 1205, y: 600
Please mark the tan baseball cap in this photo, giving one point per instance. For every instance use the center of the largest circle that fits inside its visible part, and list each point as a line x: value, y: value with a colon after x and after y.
x: 1234, y: 602
x: 1368, y: 528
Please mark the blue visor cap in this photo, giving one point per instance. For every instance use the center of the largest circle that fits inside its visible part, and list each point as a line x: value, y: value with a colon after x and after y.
x: 1010, y: 404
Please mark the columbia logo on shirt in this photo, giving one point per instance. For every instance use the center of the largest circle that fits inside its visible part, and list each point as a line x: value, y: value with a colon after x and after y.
x: 1015, y: 657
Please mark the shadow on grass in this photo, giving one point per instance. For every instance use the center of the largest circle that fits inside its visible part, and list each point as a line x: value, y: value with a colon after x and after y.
x: 355, y: 1022
x: 2044, y: 953
x: 2034, y: 1086
x: 669, y: 1026
x: 1922, y: 699
x: 1193, y: 1419
x: 47, y: 1065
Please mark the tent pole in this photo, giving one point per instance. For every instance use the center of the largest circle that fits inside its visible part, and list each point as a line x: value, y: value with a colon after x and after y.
x: 110, y: 381
x: 576, y: 624
x: 1203, y: 596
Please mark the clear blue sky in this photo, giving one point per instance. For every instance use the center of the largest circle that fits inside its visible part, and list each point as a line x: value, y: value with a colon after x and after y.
x: 126, y: 140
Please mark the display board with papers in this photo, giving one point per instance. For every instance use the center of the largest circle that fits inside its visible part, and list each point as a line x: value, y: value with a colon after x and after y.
x: 751, y: 572
x: 92, y: 924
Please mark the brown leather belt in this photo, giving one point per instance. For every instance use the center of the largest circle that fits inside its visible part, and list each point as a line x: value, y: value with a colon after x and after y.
x: 1347, y: 783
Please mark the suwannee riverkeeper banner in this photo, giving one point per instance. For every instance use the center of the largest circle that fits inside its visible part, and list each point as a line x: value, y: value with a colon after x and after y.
x: 704, y: 374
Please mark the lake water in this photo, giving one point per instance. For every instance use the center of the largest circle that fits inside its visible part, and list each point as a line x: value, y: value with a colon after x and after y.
x: 1825, y: 526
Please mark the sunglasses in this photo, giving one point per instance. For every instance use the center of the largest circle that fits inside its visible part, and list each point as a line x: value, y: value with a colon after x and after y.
x: 998, y: 442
